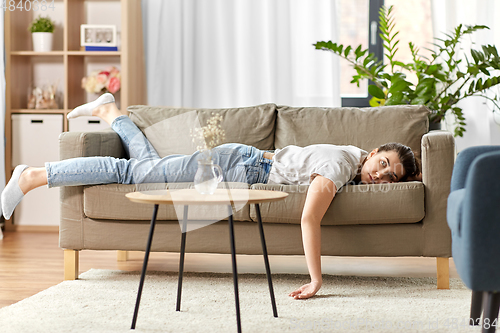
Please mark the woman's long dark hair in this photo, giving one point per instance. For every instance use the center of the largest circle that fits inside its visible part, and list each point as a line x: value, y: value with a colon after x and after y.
x: 406, y: 156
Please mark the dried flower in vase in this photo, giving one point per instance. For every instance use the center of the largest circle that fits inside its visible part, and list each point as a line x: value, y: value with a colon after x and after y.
x: 209, y: 136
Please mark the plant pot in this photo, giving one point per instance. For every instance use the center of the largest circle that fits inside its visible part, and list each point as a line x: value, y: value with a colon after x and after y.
x: 42, y: 41
x: 434, y: 126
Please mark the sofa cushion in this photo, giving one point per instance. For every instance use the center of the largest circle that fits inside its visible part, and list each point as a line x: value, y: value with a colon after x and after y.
x: 353, y: 204
x: 168, y: 129
x: 108, y: 202
x: 366, y: 128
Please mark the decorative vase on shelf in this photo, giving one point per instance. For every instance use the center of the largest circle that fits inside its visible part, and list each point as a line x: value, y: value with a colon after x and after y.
x: 205, y: 179
x: 42, y: 41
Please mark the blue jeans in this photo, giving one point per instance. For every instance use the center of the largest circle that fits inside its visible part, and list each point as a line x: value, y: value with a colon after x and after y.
x: 239, y: 163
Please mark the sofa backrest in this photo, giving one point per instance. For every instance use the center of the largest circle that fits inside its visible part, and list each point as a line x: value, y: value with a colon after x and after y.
x: 366, y: 128
x: 168, y: 129
x: 269, y: 126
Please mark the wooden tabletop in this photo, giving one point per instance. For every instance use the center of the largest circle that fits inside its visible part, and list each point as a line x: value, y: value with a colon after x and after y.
x: 193, y: 197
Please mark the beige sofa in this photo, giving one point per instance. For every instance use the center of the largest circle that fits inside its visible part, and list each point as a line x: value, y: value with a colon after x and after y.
x: 380, y: 220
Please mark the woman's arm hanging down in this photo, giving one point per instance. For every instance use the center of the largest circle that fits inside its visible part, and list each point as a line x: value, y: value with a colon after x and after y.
x: 319, y: 196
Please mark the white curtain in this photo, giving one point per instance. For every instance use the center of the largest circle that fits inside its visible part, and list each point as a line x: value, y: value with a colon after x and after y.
x: 2, y: 108
x: 226, y: 53
x: 482, y: 124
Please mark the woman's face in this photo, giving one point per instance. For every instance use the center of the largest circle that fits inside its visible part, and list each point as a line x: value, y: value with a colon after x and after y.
x: 383, y: 167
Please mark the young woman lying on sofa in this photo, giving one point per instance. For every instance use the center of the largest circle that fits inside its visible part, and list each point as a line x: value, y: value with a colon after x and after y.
x: 325, y: 168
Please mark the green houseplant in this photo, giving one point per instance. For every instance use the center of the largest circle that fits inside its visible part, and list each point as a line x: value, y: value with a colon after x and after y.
x: 442, y: 80
x: 41, y: 30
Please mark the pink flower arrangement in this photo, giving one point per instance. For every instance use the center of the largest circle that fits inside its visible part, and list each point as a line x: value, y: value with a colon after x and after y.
x: 103, y: 81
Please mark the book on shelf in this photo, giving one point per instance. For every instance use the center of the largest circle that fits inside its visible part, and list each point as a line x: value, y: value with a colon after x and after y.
x: 101, y: 48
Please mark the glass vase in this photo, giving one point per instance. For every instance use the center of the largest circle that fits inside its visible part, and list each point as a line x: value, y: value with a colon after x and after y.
x: 206, y: 179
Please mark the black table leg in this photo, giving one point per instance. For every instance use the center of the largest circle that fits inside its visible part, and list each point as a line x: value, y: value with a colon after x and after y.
x: 145, y: 265
x: 181, y: 261
x: 235, y: 271
x: 266, y: 261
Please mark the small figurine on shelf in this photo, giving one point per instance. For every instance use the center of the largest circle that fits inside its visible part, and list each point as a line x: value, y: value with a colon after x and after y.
x: 35, y: 94
x: 43, y: 98
x: 49, y: 96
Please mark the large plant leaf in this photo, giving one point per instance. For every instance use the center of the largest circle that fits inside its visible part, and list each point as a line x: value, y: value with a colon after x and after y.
x: 396, y: 99
x: 400, y: 86
x: 376, y: 91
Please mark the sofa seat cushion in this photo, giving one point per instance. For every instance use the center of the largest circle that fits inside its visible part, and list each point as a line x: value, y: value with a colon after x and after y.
x: 353, y: 204
x: 168, y: 129
x: 108, y: 202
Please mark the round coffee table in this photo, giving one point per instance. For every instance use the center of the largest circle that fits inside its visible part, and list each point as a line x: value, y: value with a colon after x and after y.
x: 187, y: 197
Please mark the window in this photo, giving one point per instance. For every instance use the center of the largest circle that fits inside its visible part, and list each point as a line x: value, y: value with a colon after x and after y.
x: 359, y: 25
x: 413, y: 20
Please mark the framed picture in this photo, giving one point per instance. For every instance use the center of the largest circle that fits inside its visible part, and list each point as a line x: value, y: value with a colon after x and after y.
x: 97, y: 35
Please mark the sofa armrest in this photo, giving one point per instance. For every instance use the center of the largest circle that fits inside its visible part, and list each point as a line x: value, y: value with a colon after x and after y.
x: 438, y: 156
x: 84, y: 144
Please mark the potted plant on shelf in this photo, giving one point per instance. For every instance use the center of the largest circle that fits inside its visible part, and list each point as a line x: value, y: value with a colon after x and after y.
x: 42, y: 29
x: 443, y: 80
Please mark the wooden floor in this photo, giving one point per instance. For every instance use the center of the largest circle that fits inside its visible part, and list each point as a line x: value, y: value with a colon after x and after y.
x: 31, y: 262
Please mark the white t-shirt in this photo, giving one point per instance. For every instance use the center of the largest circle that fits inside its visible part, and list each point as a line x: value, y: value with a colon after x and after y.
x: 294, y: 165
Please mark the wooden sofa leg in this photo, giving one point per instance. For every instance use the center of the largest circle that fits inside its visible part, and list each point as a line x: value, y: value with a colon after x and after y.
x: 443, y: 273
x: 122, y: 255
x: 71, y: 261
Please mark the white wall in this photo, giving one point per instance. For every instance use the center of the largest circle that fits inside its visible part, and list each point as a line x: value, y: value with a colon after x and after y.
x: 481, y: 129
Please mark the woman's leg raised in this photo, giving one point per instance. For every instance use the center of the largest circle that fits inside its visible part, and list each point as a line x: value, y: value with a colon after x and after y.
x: 91, y: 170
x: 134, y: 141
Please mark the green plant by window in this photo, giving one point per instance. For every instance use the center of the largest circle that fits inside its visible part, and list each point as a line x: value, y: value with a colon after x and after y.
x: 42, y: 24
x: 442, y: 80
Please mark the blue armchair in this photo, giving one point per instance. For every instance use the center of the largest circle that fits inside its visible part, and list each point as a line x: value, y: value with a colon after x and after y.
x: 473, y: 216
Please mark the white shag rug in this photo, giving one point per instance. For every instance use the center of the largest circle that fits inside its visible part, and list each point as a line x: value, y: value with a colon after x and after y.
x: 104, y: 300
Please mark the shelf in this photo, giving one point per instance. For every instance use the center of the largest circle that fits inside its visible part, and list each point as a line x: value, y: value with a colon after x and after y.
x: 33, y: 53
x: 98, y: 0
x: 95, y: 53
x: 72, y: 53
x: 36, y: 111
